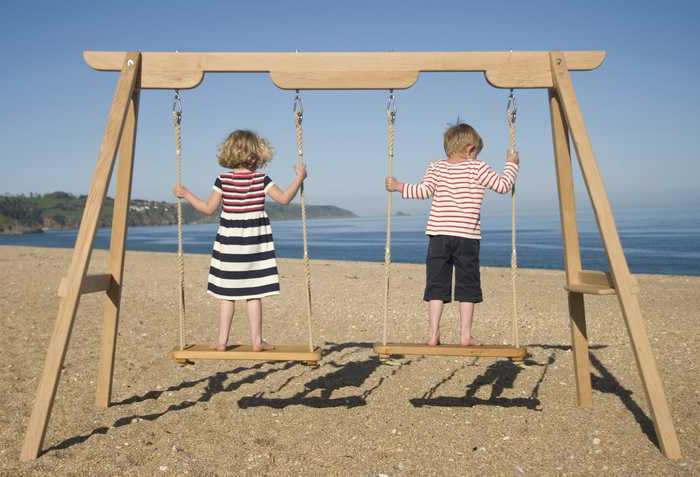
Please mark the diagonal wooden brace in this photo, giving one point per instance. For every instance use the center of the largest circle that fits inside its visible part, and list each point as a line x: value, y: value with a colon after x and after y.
x: 623, y: 283
x: 68, y: 306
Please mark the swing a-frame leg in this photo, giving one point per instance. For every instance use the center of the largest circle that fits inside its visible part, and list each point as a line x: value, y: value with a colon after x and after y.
x: 76, y: 277
x: 622, y: 282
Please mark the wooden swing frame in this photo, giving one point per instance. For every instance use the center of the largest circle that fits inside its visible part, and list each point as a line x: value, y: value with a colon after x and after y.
x: 349, y: 70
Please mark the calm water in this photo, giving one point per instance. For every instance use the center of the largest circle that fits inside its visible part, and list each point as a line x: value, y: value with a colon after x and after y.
x: 665, y: 241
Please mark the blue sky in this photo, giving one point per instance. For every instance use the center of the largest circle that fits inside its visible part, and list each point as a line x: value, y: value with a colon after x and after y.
x: 641, y: 107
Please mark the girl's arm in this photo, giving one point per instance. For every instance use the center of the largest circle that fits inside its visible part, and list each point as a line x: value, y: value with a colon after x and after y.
x: 423, y: 190
x: 285, y: 197
x: 503, y: 183
x: 209, y: 207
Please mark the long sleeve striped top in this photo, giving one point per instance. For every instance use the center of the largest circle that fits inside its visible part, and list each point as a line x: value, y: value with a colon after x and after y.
x: 458, y: 191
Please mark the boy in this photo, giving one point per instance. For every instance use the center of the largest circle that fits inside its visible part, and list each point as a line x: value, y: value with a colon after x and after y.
x: 457, y: 185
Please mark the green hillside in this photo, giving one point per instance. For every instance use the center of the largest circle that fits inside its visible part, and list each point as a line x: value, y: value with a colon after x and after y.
x: 60, y: 210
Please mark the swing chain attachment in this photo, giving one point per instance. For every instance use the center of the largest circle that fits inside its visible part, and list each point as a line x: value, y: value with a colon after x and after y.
x: 391, y: 106
x: 512, y: 108
x: 511, y: 116
x: 177, y: 107
x: 298, y: 108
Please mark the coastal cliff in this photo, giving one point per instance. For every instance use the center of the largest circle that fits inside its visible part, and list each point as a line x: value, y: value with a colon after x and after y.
x: 21, y: 214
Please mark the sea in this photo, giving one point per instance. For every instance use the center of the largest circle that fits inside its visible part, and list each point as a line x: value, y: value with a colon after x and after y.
x: 656, y: 241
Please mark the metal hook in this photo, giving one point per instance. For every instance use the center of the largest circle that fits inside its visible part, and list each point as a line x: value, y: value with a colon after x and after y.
x: 177, y: 105
x: 298, y: 107
x: 512, y: 107
x: 391, y: 105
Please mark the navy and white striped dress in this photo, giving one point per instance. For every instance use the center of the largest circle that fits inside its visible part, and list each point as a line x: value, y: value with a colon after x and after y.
x: 243, y: 264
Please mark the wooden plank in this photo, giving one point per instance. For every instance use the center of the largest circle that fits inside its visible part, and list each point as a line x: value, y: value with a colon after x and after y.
x: 58, y: 343
x: 91, y: 284
x: 636, y: 327
x: 345, y: 70
x: 245, y: 353
x: 105, y: 370
x: 579, y: 345
x: 422, y: 349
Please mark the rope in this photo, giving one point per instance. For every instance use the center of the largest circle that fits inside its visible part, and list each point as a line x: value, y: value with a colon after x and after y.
x: 177, y: 123
x: 390, y: 120
x: 298, y: 118
x: 511, y: 113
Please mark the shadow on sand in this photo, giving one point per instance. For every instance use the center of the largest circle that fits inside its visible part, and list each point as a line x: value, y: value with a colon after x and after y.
x: 351, y: 374
x: 500, y: 376
x: 214, y: 385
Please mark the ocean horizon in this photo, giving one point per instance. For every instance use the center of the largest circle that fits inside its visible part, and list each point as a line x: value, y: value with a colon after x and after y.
x: 656, y: 241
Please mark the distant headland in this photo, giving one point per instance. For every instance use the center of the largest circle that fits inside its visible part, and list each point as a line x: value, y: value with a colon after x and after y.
x: 33, y: 213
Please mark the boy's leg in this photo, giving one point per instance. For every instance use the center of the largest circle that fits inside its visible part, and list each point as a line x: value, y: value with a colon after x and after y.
x: 466, y: 315
x: 467, y: 287
x: 255, y: 320
x: 226, y: 310
x: 438, y: 283
x: 435, y: 314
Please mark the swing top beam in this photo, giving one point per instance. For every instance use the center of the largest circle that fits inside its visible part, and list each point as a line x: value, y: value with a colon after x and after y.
x: 345, y: 70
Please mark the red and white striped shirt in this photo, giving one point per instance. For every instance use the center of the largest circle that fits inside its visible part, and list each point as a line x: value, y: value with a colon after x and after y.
x: 243, y: 191
x: 458, y: 192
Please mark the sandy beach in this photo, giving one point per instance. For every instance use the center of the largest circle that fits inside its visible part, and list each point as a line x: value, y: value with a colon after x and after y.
x: 351, y: 415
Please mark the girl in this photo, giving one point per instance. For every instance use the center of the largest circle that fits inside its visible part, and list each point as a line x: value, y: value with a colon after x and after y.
x: 243, y: 265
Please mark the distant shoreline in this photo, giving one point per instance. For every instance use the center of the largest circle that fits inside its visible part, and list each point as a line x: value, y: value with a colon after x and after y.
x: 41, y: 230
x: 37, y: 213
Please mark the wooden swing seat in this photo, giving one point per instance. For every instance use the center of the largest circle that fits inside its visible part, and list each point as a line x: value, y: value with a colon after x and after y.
x: 195, y: 352
x: 422, y: 349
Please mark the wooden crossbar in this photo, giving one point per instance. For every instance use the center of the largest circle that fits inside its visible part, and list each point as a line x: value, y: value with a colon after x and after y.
x: 345, y: 70
x: 596, y: 283
x: 91, y: 284
x: 245, y: 353
x: 422, y: 349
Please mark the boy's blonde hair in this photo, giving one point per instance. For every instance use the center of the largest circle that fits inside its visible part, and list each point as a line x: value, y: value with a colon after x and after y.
x: 245, y: 149
x: 459, y: 136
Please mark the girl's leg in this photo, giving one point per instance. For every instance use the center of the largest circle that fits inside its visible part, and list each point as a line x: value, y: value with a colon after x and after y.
x: 435, y: 314
x: 225, y: 317
x: 466, y: 315
x: 255, y: 321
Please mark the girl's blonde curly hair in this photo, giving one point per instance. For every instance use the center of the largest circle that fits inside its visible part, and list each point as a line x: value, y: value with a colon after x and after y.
x: 245, y: 149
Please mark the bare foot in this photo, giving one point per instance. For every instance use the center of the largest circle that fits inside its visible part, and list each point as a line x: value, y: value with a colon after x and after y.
x: 470, y: 342
x: 433, y: 341
x: 219, y: 347
x: 263, y: 346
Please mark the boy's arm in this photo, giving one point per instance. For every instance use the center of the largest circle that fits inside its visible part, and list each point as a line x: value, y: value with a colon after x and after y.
x: 503, y: 183
x: 424, y: 189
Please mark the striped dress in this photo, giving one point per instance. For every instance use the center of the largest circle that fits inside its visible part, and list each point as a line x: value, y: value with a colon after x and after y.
x: 457, y: 191
x: 243, y: 264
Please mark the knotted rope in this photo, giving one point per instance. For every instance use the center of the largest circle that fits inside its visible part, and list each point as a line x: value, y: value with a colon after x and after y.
x: 177, y: 123
x: 511, y: 114
x: 298, y: 118
x: 390, y: 120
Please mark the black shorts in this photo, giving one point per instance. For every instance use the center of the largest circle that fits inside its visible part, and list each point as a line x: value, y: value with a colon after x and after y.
x: 445, y: 252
